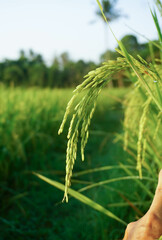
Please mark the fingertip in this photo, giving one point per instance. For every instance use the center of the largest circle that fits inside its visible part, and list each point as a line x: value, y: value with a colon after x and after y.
x: 160, y: 178
x: 125, y: 236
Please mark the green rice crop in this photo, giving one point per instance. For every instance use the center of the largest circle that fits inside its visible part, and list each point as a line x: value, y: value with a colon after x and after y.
x: 29, y: 142
x: 29, y: 121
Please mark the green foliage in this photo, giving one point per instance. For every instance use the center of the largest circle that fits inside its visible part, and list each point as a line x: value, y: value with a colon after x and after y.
x: 30, y: 70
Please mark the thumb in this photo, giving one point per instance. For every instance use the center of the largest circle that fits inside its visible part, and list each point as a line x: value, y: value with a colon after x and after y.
x: 160, y: 180
x: 156, y: 205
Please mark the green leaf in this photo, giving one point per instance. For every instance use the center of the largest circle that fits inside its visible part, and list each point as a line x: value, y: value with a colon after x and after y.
x: 158, y: 29
x: 97, y: 184
x: 104, y: 168
x: 157, y: 25
x: 82, y: 198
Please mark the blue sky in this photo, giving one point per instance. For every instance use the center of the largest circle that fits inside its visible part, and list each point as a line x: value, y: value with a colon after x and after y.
x: 51, y: 27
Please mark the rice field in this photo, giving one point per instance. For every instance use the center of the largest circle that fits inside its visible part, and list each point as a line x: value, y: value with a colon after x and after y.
x: 31, y: 209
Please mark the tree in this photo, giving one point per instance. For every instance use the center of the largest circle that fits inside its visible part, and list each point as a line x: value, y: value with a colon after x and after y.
x: 134, y: 47
x: 37, y: 70
x: 109, y: 54
x: 13, y: 75
x: 54, y: 77
x: 109, y: 10
x: 131, y: 44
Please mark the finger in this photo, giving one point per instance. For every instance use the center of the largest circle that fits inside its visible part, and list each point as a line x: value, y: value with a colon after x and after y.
x: 156, y: 205
x: 160, y: 179
x: 128, y: 230
x: 126, y: 235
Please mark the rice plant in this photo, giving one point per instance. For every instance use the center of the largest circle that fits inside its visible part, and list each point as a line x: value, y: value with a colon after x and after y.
x: 142, y: 121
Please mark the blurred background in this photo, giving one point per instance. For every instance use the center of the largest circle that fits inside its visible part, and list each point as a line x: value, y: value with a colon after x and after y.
x: 46, y: 48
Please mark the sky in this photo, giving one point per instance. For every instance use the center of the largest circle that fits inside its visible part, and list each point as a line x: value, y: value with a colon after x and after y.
x: 51, y: 27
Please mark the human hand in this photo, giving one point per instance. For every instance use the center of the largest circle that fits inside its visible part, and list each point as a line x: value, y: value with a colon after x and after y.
x: 149, y: 227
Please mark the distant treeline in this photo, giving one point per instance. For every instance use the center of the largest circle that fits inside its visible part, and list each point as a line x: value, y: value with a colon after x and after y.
x: 30, y: 68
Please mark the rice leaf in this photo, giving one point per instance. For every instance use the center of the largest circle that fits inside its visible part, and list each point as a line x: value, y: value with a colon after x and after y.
x: 105, y: 168
x: 82, y: 198
x: 113, y: 180
x: 154, y: 15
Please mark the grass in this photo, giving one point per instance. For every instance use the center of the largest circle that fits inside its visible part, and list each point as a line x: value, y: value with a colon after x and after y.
x: 31, y: 209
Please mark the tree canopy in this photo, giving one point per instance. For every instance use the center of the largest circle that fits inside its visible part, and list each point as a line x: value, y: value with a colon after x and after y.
x: 30, y: 69
x: 109, y: 10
